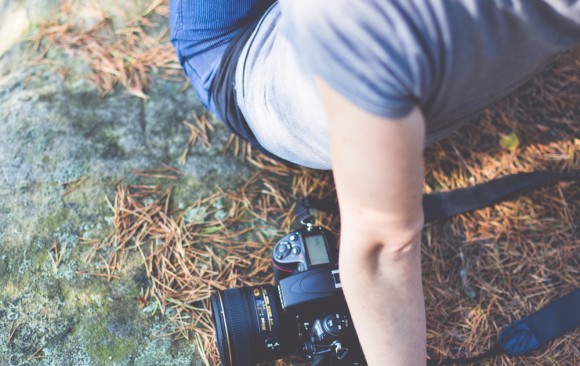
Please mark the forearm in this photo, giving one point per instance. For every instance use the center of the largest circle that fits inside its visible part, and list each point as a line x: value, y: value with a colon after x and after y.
x: 385, y: 296
x: 380, y: 262
x: 378, y: 170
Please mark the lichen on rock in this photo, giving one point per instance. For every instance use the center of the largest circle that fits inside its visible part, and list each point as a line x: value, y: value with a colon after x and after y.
x: 63, y: 147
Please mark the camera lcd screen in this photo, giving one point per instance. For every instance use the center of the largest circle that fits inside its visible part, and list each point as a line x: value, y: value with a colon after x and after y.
x: 316, y: 250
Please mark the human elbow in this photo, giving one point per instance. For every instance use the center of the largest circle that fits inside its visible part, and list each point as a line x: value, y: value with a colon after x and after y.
x: 374, y: 257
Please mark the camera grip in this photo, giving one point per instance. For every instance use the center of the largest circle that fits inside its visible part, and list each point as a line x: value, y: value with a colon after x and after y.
x: 307, y: 287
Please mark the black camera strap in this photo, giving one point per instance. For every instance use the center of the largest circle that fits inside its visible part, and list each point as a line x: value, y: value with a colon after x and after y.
x: 304, y: 205
x: 523, y: 335
x: 444, y: 205
x: 531, y: 332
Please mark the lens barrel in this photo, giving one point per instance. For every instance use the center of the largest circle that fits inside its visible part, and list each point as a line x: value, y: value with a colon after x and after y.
x: 249, y: 325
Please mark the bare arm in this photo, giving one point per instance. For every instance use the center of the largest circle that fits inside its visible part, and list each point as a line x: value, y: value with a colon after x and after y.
x: 378, y: 169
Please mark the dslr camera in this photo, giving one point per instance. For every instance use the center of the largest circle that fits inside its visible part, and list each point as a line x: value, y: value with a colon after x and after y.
x: 303, y: 314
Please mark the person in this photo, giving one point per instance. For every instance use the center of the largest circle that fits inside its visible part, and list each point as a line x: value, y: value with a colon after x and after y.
x: 360, y: 87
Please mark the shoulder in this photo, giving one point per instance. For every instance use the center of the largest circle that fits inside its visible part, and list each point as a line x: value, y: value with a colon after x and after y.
x: 377, y: 53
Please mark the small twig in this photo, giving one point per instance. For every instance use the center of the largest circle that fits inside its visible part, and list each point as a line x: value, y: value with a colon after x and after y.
x: 71, y: 185
x: 13, y: 327
x: 58, y: 255
x: 34, y: 355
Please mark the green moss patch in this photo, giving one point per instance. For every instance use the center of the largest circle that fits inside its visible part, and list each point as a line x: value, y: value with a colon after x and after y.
x: 102, y: 345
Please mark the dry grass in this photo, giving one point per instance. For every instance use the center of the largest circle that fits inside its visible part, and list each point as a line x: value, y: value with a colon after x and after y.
x: 481, y: 270
x: 492, y: 266
x: 215, y: 243
x: 121, y: 48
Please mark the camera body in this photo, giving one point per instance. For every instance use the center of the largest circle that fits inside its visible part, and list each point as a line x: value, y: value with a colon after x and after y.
x: 306, y: 249
x: 304, y: 313
x: 308, y: 281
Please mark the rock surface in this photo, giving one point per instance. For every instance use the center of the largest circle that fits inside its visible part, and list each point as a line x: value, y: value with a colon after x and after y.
x: 54, y: 131
x: 17, y: 17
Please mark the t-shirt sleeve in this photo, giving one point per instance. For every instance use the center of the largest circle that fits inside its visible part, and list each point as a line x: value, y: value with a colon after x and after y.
x: 371, y: 52
x: 449, y: 58
x: 201, y: 30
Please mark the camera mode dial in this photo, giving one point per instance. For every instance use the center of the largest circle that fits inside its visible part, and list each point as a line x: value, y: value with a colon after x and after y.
x: 331, y: 326
x: 282, y: 250
x: 335, y: 324
x: 289, y: 252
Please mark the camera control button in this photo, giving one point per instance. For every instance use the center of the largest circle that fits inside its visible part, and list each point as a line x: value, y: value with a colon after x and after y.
x: 283, y: 247
x: 293, y: 237
x: 335, y: 324
x: 273, y: 344
x: 296, y: 250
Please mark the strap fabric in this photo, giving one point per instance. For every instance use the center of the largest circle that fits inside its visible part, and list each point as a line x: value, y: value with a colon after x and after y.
x: 304, y: 205
x: 543, y: 326
x: 443, y: 205
x: 530, y: 332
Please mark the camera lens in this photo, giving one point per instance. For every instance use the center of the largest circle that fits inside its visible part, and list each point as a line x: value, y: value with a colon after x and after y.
x: 250, y: 326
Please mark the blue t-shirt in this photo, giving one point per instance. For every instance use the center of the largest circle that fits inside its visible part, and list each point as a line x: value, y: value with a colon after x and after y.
x: 201, y: 30
x: 451, y: 58
x: 448, y: 57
